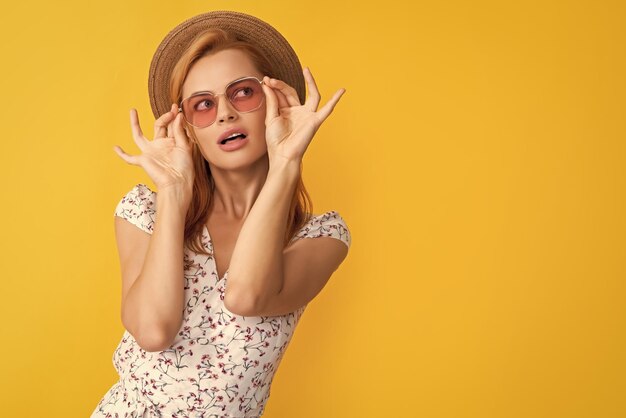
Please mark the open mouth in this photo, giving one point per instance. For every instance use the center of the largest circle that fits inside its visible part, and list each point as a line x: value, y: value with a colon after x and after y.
x: 232, y: 138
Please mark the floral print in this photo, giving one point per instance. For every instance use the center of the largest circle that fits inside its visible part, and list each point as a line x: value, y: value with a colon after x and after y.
x: 220, y: 365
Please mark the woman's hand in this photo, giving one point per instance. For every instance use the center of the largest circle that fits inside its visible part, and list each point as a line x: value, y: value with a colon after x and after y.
x: 167, y: 159
x: 290, y: 126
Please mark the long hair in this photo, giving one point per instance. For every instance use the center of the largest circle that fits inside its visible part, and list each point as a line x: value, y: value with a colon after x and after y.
x: 207, y: 43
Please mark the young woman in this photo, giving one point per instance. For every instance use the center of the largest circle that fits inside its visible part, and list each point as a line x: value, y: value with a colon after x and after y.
x: 215, y: 269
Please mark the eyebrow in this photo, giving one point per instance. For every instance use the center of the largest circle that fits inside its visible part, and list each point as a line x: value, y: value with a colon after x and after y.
x: 201, y: 92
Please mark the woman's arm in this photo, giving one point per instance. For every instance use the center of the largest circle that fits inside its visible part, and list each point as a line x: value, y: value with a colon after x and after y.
x: 153, y: 278
x: 152, y: 307
x: 255, y: 274
x: 265, y: 279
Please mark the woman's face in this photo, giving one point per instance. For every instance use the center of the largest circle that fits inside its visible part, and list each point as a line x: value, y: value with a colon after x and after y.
x: 213, y: 73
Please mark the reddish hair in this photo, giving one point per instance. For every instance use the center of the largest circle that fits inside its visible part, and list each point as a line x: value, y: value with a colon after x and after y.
x: 210, y: 42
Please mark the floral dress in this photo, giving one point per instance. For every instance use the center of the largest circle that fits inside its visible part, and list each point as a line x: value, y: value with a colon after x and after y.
x: 220, y: 365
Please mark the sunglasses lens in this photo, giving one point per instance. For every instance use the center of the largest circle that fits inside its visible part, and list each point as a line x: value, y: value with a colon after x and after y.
x: 200, y: 110
x: 245, y: 95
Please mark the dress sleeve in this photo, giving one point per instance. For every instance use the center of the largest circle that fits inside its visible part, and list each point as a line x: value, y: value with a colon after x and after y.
x: 138, y: 207
x: 329, y: 224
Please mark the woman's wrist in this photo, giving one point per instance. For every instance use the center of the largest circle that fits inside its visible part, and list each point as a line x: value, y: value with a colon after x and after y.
x: 178, y: 196
x: 284, y: 167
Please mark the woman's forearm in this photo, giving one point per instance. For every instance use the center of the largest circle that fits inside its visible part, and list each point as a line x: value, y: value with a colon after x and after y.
x: 255, y: 273
x: 153, y: 307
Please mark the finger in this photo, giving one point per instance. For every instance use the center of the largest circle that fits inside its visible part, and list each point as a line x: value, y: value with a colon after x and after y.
x: 330, y: 105
x: 272, y: 106
x: 170, y: 125
x: 282, y: 100
x: 285, y: 89
x: 160, y: 125
x: 179, y: 133
x: 140, y: 140
x: 314, y: 95
x: 130, y: 159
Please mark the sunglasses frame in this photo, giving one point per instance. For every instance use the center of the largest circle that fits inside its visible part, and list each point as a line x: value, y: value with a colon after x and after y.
x: 200, y: 93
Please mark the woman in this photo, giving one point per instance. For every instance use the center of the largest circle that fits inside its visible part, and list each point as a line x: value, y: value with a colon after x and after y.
x: 215, y: 273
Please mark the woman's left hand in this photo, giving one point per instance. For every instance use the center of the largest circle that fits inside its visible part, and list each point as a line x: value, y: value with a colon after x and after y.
x: 290, y: 126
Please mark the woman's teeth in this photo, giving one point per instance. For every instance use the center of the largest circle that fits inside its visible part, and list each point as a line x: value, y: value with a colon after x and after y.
x: 232, y: 137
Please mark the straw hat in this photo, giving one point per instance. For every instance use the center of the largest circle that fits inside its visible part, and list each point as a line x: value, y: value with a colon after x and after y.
x: 246, y: 27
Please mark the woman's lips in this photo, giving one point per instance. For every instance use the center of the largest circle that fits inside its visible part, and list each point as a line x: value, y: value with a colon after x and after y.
x: 229, y: 132
x: 234, y: 144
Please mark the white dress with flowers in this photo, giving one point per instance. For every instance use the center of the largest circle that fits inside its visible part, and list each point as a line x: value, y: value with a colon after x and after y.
x: 220, y: 365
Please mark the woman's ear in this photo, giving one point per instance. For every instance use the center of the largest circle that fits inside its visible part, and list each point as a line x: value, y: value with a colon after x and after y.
x: 189, y: 135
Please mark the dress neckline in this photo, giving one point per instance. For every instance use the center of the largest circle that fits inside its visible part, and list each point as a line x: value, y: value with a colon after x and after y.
x: 212, y: 248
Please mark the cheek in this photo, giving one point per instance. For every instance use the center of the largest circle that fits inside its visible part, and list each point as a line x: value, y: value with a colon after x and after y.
x: 261, y: 115
x: 204, y: 136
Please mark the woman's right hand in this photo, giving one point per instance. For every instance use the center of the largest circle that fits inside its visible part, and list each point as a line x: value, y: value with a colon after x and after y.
x: 167, y: 158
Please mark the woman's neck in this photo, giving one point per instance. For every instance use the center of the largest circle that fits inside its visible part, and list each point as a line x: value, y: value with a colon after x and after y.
x: 237, y: 190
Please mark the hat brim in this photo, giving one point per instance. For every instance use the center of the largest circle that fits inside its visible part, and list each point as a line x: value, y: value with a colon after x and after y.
x: 246, y: 27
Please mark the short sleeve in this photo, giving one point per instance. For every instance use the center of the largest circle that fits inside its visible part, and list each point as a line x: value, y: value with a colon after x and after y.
x: 329, y: 224
x: 138, y: 207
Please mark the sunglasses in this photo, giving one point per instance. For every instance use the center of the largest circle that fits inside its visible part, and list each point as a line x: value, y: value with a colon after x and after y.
x: 244, y: 94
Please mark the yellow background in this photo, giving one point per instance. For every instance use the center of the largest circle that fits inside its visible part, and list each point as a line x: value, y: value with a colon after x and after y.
x: 478, y: 157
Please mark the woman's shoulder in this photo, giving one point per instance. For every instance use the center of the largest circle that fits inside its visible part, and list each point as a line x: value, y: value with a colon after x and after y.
x: 327, y: 224
x: 138, y: 206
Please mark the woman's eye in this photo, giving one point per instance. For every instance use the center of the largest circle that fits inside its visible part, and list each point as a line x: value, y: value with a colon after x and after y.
x: 243, y: 92
x: 204, y: 104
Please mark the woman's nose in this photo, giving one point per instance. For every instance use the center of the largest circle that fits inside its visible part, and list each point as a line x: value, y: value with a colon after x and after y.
x: 225, y: 110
